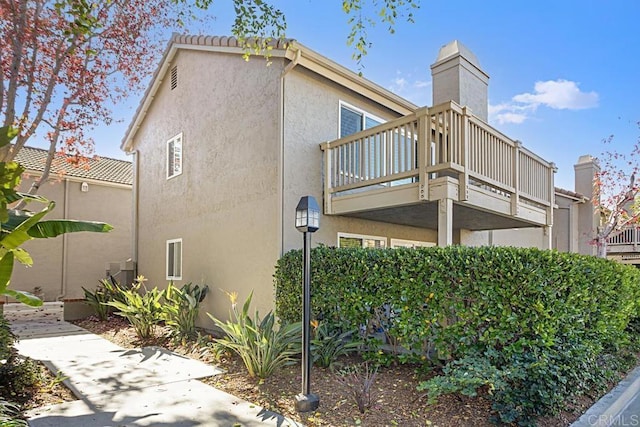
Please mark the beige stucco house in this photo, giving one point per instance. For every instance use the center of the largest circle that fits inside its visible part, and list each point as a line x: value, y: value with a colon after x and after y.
x: 224, y: 149
x: 101, y: 192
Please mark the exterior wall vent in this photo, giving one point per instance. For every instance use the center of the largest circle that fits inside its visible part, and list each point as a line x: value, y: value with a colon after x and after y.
x: 84, y: 187
x: 174, y: 77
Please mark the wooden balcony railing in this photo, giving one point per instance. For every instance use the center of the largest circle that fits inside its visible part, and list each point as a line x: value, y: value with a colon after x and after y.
x: 444, y: 140
x: 628, y: 237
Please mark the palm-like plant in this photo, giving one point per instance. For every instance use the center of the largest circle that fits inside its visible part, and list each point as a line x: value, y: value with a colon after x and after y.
x: 143, y: 309
x: 181, y: 308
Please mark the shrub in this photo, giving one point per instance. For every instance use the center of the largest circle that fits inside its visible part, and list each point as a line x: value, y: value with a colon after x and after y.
x: 100, y: 298
x: 18, y: 376
x: 143, y: 311
x: 464, y: 376
x: 181, y: 309
x: 545, y: 317
x: 97, y: 300
x: 262, y: 346
x: 358, y: 381
x: 327, y: 346
x: 9, y: 415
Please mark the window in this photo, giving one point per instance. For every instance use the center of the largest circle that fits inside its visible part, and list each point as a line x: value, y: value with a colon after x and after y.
x: 174, y: 77
x: 174, y: 259
x: 400, y: 243
x: 174, y: 156
x: 347, y: 240
x: 354, y: 120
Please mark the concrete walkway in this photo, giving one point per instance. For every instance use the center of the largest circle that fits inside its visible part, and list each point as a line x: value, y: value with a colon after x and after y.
x: 149, y: 386
x: 620, y: 407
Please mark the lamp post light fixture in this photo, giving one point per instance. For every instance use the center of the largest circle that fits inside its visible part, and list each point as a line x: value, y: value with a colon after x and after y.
x: 307, y: 222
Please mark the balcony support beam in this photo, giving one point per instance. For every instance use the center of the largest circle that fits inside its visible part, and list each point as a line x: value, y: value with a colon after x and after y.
x: 424, y: 152
x: 445, y: 222
x: 548, y: 237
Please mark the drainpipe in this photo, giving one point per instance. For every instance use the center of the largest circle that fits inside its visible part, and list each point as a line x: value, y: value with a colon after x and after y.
x: 65, y: 212
x: 286, y: 70
x: 134, y: 212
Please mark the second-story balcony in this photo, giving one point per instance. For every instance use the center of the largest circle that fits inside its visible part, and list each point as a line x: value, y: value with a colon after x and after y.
x: 438, y: 167
x: 625, y: 241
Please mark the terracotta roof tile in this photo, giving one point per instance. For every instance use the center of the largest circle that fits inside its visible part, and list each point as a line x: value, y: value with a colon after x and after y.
x: 99, y: 168
x: 569, y: 193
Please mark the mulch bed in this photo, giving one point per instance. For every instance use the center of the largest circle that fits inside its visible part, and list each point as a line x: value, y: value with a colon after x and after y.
x: 394, y: 398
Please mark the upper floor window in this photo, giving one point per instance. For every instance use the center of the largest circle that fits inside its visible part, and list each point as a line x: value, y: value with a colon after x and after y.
x: 174, y: 156
x: 354, y: 120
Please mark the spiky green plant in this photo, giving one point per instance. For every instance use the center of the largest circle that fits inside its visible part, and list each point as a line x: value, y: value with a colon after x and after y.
x: 181, y: 309
x: 327, y: 345
x: 262, y: 346
x: 142, y: 308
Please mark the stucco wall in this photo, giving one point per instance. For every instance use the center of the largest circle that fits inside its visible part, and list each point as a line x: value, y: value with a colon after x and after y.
x: 231, y: 207
x: 61, y: 266
x: 565, y: 230
x: 516, y: 237
x: 564, y: 233
x: 224, y: 205
x: 311, y: 117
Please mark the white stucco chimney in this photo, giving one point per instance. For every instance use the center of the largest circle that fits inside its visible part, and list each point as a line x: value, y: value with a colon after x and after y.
x: 457, y: 76
x: 588, y: 218
x: 585, y: 172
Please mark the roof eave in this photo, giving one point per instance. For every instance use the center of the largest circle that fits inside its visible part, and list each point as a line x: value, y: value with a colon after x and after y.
x: 309, y: 59
x: 147, y: 98
x: 344, y: 76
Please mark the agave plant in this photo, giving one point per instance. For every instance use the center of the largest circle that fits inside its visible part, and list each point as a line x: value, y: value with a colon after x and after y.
x: 328, y: 345
x: 262, y: 346
x: 20, y: 226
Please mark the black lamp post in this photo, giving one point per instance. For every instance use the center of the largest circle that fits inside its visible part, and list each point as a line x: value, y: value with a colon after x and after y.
x: 307, y: 222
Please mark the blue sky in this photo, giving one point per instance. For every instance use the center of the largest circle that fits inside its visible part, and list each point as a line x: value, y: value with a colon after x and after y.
x: 563, y: 74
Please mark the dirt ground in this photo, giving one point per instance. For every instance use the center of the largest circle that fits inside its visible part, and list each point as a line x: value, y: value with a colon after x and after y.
x: 394, y: 398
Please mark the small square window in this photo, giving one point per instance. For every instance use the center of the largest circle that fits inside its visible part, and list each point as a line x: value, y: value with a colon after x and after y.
x: 174, y: 259
x: 174, y: 156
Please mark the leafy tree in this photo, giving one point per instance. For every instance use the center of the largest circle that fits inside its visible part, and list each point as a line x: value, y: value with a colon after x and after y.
x: 64, y: 61
x: 615, y: 193
x: 20, y: 226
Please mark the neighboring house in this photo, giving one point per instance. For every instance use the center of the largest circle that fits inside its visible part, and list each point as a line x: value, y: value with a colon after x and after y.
x: 99, y: 192
x: 575, y: 219
x: 224, y: 149
x: 624, y: 246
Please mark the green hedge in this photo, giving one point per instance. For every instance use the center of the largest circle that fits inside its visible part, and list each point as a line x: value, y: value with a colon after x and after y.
x: 546, y: 316
x: 18, y: 376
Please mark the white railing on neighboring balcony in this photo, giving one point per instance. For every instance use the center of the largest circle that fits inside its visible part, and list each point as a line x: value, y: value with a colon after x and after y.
x: 442, y: 140
x: 628, y: 236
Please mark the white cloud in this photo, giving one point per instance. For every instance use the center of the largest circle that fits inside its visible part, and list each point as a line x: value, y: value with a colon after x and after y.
x: 507, y: 117
x: 557, y: 94
x: 399, y: 83
x: 415, y: 90
x: 560, y: 95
